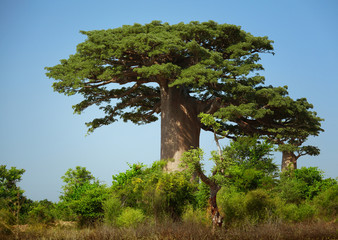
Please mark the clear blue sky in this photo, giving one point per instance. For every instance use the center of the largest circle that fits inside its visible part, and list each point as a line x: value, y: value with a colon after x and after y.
x: 38, y: 131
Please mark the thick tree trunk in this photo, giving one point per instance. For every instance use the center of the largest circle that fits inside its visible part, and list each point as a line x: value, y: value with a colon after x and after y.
x: 289, y: 161
x: 180, y: 126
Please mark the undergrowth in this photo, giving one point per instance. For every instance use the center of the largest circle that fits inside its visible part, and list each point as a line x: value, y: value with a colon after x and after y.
x: 181, y: 230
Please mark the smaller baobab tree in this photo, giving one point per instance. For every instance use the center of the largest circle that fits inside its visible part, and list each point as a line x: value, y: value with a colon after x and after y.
x: 271, y: 114
x: 291, y: 137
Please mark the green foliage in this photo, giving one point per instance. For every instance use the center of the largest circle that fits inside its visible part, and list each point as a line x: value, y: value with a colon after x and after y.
x: 6, y: 217
x: 291, y: 212
x: 87, y: 202
x: 147, y: 193
x: 121, y: 179
x: 209, y: 60
x: 130, y: 217
x: 75, y: 178
x: 251, y: 152
x: 177, y: 190
x: 201, y: 196
x: 83, y: 195
x: 112, y: 209
x: 231, y: 204
x: 238, y: 207
x: 292, y: 190
x: 8, y: 181
x: 326, y: 202
x: 192, y: 160
x: 43, y: 212
x: 258, y: 204
x: 11, y: 195
x: 195, y: 216
x: 247, y: 163
x: 63, y: 212
x: 300, y: 184
x: 155, y: 192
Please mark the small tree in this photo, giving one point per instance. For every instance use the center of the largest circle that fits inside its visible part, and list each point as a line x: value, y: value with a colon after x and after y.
x: 84, y: 195
x: 247, y: 153
x: 74, y: 179
x: 11, y: 194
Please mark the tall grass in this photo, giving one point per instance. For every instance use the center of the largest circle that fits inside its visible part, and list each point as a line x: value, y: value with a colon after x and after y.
x: 183, y: 230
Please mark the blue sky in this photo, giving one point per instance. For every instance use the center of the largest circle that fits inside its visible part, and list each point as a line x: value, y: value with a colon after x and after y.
x: 38, y: 131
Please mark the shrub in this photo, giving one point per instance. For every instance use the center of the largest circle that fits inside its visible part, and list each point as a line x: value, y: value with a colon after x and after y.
x: 196, y: 216
x: 304, y: 183
x: 156, y: 192
x: 249, y: 179
x: 6, y: 220
x: 258, y: 205
x: 130, y: 217
x: 7, y: 217
x: 249, y: 164
x: 327, y: 202
x: 112, y: 209
x: 201, y: 196
x: 231, y: 205
x: 292, y: 212
x: 64, y: 212
x: 88, y: 202
x: 291, y: 190
x: 41, y: 214
x: 177, y: 190
x: 83, y: 195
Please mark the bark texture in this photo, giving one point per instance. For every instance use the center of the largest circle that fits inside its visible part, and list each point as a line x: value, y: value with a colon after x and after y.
x: 217, y: 219
x: 180, y: 126
x: 289, y: 160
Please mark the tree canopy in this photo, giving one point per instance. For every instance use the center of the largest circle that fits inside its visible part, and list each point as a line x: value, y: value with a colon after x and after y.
x: 176, y: 72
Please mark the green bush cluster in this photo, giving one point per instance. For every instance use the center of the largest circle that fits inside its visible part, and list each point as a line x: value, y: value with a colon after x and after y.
x: 155, y: 192
x: 291, y: 200
x: 251, y: 191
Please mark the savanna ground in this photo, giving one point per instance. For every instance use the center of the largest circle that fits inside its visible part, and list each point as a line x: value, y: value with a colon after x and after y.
x: 178, y: 230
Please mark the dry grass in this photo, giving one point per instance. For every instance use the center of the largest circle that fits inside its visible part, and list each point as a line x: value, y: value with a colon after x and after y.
x: 179, y: 230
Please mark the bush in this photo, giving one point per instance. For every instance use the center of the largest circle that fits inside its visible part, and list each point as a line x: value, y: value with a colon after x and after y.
x: 327, y: 202
x: 7, y: 219
x: 291, y: 190
x: 130, y: 217
x: 258, y: 205
x: 196, y: 216
x: 249, y: 179
x: 201, y: 196
x: 304, y: 183
x: 249, y: 164
x: 83, y: 195
x: 63, y: 212
x: 112, y: 209
x: 41, y: 214
x: 292, y: 212
x: 231, y: 205
x: 156, y: 192
x: 88, y: 202
x: 176, y: 190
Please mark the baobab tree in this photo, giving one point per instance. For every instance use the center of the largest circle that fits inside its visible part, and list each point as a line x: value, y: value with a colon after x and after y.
x: 141, y: 73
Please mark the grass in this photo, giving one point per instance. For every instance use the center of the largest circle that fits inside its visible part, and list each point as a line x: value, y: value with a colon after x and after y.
x: 179, y: 230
